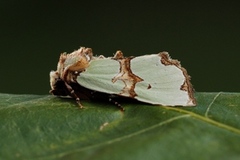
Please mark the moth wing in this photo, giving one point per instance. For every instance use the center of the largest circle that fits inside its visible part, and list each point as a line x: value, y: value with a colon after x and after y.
x: 162, y: 84
x: 98, y: 76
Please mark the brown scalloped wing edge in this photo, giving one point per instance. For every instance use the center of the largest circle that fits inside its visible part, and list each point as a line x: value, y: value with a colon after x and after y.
x: 186, y: 86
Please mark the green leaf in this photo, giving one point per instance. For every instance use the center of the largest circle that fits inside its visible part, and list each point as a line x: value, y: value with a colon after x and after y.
x: 47, y: 127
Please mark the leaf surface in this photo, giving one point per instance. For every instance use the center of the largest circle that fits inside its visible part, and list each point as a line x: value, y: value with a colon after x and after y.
x: 47, y: 127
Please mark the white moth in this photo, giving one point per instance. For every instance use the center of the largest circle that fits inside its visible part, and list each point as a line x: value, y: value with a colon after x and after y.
x: 155, y: 79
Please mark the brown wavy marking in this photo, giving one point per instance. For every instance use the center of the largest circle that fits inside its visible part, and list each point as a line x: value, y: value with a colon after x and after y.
x: 186, y: 86
x: 149, y: 86
x: 125, y: 75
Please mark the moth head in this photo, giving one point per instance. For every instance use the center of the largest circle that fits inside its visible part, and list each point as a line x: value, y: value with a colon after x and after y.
x: 76, y: 61
x: 54, y: 76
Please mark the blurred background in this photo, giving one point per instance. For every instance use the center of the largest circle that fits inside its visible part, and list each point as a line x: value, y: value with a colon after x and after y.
x: 204, y: 36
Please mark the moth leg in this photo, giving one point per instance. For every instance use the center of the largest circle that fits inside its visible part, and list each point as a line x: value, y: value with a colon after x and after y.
x: 116, y: 104
x: 73, y: 94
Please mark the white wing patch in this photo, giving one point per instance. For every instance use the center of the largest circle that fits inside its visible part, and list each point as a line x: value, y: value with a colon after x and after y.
x: 98, y: 76
x: 165, y: 82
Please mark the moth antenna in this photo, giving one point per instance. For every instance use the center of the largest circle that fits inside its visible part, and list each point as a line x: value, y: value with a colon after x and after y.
x: 116, y: 104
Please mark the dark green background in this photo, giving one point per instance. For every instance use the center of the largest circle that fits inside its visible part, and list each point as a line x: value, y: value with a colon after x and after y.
x: 204, y: 36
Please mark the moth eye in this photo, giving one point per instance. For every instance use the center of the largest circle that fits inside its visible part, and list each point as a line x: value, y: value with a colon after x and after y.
x: 76, y: 72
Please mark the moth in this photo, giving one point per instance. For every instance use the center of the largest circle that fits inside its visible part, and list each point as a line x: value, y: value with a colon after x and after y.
x: 155, y: 79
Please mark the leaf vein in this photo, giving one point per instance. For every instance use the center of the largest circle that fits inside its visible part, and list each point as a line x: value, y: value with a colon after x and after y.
x: 210, y: 105
x: 206, y: 119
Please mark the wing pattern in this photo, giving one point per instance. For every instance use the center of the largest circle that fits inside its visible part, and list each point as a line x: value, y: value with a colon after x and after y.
x: 154, y: 79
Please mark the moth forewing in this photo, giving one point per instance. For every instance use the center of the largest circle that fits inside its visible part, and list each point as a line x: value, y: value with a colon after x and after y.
x: 98, y: 76
x: 165, y: 81
x: 154, y: 79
